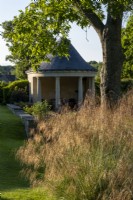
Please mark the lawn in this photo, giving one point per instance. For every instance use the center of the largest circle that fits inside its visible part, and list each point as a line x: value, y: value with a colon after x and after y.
x: 12, y: 136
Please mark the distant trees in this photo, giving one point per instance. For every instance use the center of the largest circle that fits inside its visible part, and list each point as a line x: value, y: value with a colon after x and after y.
x: 98, y: 66
x: 6, y: 70
x: 95, y: 64
x: 127, y: 43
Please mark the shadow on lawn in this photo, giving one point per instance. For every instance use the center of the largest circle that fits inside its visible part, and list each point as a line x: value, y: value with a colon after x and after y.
x: 10, y: 176
x: 1, y: 198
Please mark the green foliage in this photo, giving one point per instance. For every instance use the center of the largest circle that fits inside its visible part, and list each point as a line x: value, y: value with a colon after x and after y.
x: 127, y: 43
x: 20, y: 69
x: 16, y: 91
x: 98, y: 66
x: 18, y: 95
x: 126, y: 84
x: 95, y: 64
x: 52, y: 20
x: 97, y: 87
x: 18, y: 56
x: 2, y: 85
x: 39, y: 109
x: 18, y: 83
x: 6, y: 70
x: 127, y: 71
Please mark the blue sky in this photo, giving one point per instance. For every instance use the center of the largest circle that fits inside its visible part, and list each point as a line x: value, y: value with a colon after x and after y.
x: 90, y: 48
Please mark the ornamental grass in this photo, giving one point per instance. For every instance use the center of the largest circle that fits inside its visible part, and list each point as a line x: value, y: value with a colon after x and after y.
x: 85, y: 154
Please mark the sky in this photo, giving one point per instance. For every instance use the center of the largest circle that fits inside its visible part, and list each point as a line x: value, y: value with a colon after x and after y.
x: 87, y: 44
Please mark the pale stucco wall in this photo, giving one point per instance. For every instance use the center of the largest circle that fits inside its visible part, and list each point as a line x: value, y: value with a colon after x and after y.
x: 86, y: 85
x: 34, y: 89
x: 68, y: 87
x: 48, y: 87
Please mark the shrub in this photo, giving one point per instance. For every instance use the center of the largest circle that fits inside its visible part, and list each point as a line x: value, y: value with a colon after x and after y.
x: 126, y: 84
x: 84, y: 155
x: 2, y: 85
x: 19, y: 95
x: 97, y: 87
x: 16, y: 91
x: 39, y: 109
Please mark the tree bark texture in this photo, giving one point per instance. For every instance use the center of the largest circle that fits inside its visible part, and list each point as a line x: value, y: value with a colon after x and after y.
x: 112, y: 61
x: 110, y: 37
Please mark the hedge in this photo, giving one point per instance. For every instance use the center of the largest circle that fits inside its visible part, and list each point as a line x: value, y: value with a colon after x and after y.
x: 2, y: 85
x: 126, y: 84
x: 16, y: 91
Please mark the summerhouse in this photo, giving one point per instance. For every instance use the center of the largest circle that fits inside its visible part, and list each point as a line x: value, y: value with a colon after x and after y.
x: 62, y: 80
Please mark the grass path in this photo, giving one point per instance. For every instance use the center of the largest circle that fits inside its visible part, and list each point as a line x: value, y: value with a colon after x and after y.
x: 11, y: 138
x: 12, y: 185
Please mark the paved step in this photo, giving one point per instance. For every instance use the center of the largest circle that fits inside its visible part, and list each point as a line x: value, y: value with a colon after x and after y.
x: 27, y: 119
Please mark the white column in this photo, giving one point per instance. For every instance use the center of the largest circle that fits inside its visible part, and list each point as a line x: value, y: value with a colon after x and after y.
x: 57, y: 92
x: 93, y: 86
x: 30, y: 96
x: 38, y: 89
x: 80, y: 90
x: 90, y: 84
x: 30, y: 89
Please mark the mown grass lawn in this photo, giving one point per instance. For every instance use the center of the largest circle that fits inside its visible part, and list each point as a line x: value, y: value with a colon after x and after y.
x: 27, y: 194
x: 12, y: 136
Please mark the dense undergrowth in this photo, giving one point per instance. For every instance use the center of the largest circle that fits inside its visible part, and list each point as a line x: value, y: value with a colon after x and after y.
x: 84, y: 155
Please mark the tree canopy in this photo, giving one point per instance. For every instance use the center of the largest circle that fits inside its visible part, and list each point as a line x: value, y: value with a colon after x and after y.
x: 33, y: 34
x: 127, y: 43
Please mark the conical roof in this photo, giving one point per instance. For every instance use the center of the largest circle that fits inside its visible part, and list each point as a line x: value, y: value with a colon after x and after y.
x: 74, y: 63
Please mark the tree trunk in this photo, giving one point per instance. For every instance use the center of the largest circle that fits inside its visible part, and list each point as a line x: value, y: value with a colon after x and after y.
x: 110, y: 37
x: 112, y: 61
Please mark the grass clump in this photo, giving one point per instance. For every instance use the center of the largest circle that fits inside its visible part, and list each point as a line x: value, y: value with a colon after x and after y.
x: 84, y: 155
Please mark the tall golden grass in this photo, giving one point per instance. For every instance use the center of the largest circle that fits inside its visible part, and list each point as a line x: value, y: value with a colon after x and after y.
x: 84, y: 155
